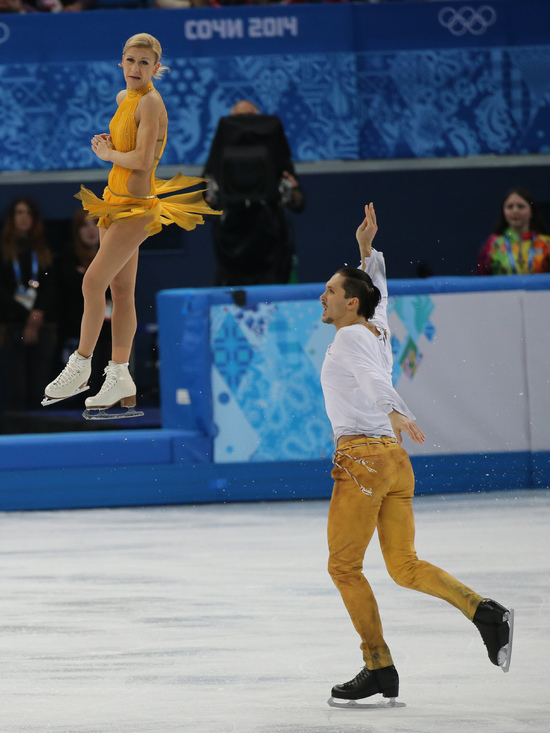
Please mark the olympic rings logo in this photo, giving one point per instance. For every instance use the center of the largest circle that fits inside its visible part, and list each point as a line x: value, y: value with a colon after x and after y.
x: 4, y: 33
x: 467, y: 19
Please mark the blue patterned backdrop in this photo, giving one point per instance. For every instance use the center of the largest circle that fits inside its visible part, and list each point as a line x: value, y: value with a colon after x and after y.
x: 421, y: 104
x: 385, y: 91
x: 266, y: 363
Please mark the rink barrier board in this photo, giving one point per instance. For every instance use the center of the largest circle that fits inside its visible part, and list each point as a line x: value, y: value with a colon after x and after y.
x: 115, y: 448
x: 175, y: 464
x: 223, y: 354
x: 134, y: 485
x: 184, y: 322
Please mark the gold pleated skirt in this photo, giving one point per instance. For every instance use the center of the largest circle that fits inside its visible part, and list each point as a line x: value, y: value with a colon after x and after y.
x: 184, y: 209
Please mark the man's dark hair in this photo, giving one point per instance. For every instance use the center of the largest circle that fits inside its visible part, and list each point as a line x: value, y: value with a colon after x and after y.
x: 357, y: 284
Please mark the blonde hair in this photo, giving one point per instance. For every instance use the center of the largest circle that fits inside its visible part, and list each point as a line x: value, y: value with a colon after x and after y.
x: 144, y: 40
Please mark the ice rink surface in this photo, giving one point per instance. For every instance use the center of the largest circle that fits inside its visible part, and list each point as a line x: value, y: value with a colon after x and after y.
x: 223, y: 618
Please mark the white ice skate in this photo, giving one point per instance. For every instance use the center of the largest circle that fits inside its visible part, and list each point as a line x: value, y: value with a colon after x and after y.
x: 72, y: 380
x: 118, y: 389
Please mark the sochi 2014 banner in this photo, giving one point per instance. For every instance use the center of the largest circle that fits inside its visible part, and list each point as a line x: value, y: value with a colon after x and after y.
x: 349, y: 81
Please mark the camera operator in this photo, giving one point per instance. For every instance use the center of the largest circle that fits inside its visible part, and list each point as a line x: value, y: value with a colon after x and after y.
x: 253, y: 180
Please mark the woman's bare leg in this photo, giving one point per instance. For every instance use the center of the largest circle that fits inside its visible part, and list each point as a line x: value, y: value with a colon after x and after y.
x: 119, y: 244
x: 123, y: 319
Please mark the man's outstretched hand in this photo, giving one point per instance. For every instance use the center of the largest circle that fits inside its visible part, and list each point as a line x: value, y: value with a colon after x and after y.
x: 366, y: 231
x: 401, y: 423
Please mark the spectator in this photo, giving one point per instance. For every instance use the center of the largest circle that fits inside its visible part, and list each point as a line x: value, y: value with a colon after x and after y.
x: 67, y: 6
x: 520, y: 244
x: 73, y: 263
x: 254, y: 182
x: 16, y: 6
x: 27, y: 300
x: 220, y: 3
x: 174, y: 3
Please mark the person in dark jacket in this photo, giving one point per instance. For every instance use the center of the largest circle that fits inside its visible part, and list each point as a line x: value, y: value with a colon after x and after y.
x: 252, y: 178
x: 27, y: 306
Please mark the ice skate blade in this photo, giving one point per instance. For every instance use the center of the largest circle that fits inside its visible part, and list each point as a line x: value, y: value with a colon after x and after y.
x: 337, y: 702
x: 505, y: 654
x: 50, y: 400
x: 100, y: 413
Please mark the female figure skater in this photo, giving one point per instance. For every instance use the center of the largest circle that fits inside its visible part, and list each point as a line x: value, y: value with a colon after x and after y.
x: 129, y: 212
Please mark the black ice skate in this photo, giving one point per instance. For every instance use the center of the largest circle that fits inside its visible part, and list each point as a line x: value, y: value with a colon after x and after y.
x: 496, y: 625
x: 365, y: 684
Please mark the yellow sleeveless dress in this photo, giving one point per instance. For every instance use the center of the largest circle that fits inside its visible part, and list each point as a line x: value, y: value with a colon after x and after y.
x: 118, y: 204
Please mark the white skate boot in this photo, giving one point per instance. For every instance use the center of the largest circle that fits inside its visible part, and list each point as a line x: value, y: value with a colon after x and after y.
x: 72, y: 380
x: 118, y: 388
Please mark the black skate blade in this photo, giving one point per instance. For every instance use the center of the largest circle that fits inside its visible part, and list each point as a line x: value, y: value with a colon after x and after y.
x: 337, y: 702
x: 505, y: 654
x: 100, y: 413
x: 51, y: 400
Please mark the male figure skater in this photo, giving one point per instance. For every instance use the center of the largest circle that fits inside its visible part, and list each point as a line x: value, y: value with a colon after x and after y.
x: 373, y: 477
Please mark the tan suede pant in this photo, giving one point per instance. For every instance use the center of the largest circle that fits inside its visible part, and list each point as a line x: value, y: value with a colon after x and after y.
x: 373, y: 489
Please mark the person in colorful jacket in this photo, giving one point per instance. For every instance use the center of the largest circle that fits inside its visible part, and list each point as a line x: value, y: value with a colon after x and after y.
x: 520, y: 244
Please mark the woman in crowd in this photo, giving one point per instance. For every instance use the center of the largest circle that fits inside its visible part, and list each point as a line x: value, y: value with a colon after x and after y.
x: 520, y: 244
x: 128, y: 213
x: 27, y: 305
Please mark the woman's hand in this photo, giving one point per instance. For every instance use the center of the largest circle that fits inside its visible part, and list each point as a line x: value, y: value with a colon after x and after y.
x: 102, y: 146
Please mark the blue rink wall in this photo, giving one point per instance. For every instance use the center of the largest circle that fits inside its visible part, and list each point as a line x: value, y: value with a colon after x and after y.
x: 242, y: 411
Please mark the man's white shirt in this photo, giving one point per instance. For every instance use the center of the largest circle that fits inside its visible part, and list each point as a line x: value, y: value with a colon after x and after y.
x: 356, y: 376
